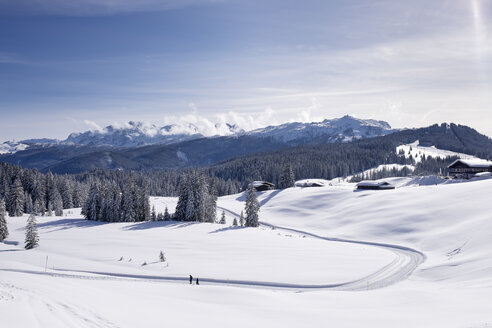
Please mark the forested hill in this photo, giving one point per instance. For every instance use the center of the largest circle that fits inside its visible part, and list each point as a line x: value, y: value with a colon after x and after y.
x: 342, y: 159
x: 216, y: 154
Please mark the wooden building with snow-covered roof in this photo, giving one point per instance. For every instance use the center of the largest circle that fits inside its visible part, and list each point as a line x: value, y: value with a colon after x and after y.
x: 467, y: 168
x: 374, y: 185
x: 262, y: 185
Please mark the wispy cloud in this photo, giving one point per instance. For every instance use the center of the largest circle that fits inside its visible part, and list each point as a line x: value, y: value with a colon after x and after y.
x: 93, y: 125
x: 92, y: 7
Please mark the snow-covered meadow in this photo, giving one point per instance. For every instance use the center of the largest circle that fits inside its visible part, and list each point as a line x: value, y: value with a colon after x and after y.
x: 409, y: 257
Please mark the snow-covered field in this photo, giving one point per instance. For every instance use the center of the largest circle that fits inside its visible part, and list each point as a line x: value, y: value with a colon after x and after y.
x: 329, y: 256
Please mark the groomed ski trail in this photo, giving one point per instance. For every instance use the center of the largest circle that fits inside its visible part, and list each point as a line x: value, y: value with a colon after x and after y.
x: 406, y: 261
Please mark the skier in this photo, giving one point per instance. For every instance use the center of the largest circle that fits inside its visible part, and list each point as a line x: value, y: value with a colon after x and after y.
x: 197, y: 282
x: 191, y: 279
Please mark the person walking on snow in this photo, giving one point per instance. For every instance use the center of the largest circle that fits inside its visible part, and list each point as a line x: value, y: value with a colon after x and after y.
x: 191, y: 279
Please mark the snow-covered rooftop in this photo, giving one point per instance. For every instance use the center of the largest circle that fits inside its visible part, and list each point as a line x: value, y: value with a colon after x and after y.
x: 475, y: 162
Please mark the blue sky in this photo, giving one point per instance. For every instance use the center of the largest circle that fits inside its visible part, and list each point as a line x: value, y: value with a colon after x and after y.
x: 72, y: 65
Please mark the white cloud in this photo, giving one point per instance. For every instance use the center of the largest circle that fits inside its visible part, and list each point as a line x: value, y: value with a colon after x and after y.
x: 93, y: 125
x: 216, y: 124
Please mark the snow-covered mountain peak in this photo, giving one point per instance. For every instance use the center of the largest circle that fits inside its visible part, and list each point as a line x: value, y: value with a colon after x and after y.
x: 345, y: 128
x: 134, y: 134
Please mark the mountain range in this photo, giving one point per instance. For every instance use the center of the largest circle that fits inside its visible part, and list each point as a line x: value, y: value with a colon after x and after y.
x: 137, y: 134
x: 139, y: 146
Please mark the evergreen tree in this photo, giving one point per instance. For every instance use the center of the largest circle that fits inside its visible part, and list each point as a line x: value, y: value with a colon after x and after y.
x: 115, y: 210
x: 38, y: 207
x: 49, y: 209
x: 180, y: 212
x: 32, y: 239
x: 223, y: 218
x: 162, y: 257
x: 28, y: 204
x: 128, y: 206
x: 66, y: 194
x: 287, y: 179
x: 77, y: 196
x: 4, y: 232
x: 4, y: 187
x: 51, y: 189
x: 16, y: 198
x: 191, y: 209
x: 166, y: 217
x: 211, y: 210
x: 154, y: 215
x: 91, y: 206
x: 57, y: 204
x: 234, y: 222
x: 252, y: 208
x: 241, y: 219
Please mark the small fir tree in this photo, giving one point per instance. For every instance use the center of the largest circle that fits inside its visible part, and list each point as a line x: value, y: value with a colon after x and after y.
x: 167, y: 216
x: 241, y: 219
x: 222, y: 218
x: 32, y: 239
x: 162, y: 257
x: 153, y: 215
x: 234, y: 222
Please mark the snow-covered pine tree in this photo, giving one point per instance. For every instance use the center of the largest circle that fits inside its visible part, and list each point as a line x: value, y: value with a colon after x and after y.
x: 202, y: 198
x: 49, y: 209
x: 4, y: 187
x: 142, y: 204
x: 28, y: 205
x: 4, y: 232
x: 57, y: 204
x: 32, y: 239
x: 211, y: 210
x: 234, y: 222
x: 162, y: 257
x: 128, y: 206
x: 287, y: 179
x: 77, y: 196
x: 180, y: 212
x: 115, y: 211
x: 222, y: 218
x: 16, y: 198
x: 153, y: 216
x: 191, y: 210
x: 66, y: 193
x: 50, y: 189
x: 167, y: 216
x: 91, y: 206
x: 252, y: 208
x: 241, y: 219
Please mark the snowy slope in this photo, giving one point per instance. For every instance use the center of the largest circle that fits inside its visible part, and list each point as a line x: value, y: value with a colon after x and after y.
x: 417, y: 152
x: 379, y: 168
x: 332, y: 234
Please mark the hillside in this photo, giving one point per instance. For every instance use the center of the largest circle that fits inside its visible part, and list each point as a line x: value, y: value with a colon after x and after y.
x: 324, y: 239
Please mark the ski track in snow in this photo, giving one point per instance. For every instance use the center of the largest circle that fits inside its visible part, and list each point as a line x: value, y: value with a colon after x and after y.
x: 62, y: 313
x: 405, y: 262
